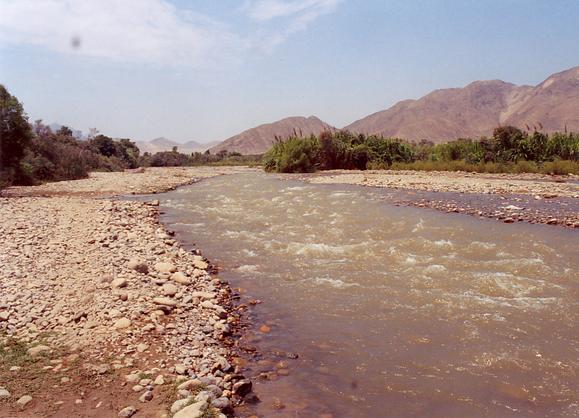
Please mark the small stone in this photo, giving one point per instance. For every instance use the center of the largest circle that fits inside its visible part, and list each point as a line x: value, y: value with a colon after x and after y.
x: 160, y: 380
x: 4, y: 315
x: 24, y: 400
x: 127, y: 412
x: 122, y: 323
x: 200, y: 264
x: 265, y: 329
x: 4, y: 393
x: 142, y: 347
x: 164, y: 301
x: 118, y: 283
x: 137, y: 388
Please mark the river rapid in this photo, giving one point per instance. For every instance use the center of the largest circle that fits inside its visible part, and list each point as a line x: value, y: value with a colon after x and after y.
x: 394, y: 311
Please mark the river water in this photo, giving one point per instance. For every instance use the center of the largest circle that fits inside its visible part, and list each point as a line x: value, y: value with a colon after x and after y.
x: 394, y: 311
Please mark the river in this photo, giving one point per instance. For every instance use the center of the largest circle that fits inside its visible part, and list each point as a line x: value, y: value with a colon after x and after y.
x: 394, y: 311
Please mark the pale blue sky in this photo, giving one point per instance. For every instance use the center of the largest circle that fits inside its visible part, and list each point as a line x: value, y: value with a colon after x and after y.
x: 208, y: 69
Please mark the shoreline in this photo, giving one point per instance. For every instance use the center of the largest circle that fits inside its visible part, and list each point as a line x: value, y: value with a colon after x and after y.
x: 134, y: 311
x: 508, y: 198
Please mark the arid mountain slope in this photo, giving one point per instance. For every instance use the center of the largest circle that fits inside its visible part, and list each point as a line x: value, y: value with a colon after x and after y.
x: 259, y: 139
x: 478, y: 108
x: 164, y: 144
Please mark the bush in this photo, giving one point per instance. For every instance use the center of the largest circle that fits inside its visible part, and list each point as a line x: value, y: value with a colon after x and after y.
x: 509, y: 150
x: 294, y: 155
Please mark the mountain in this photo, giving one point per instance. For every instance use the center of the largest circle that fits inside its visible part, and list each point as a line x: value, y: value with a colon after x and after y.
x: 259, y: 139
x: 165, y: 144
x: 478, y: 108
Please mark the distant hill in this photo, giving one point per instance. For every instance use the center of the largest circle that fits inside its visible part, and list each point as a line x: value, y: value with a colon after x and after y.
x: 478, y: 108
x: 78, y: 134
x: 259, y: 139
x: 165, y: 144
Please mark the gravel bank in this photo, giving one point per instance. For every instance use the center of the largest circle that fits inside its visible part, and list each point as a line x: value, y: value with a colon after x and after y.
x: 533, y: 198
x: 102, y: 312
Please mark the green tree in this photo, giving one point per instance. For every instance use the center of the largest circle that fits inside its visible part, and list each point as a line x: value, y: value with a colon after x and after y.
x: 15, y: 135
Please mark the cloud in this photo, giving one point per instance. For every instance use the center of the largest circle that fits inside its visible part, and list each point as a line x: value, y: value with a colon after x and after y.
x: 143, y: 31
x: 287, y: 17
x: 151, y: 31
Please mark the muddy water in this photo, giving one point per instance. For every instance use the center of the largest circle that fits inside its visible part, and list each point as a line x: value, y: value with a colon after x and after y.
x: 395, y: 311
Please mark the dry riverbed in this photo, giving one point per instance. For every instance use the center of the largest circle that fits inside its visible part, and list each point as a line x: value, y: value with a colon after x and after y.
x: 533, y: 198
x: 102, y: 313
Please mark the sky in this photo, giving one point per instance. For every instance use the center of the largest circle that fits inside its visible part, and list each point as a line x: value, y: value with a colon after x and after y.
x: 205, y: 70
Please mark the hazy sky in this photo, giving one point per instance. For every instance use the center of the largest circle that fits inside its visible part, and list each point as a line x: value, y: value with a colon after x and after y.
x: 208, y: 69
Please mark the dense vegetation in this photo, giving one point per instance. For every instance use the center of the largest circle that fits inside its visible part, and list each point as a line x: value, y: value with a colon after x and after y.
x: 30, y: 154
x: 33, y: 153
x: 176, y: 159
x: 508, y: 150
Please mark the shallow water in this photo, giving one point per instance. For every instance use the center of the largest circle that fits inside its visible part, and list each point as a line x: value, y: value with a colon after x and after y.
x: 395, y: 311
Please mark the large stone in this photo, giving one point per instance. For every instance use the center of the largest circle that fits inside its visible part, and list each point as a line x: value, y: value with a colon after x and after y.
x: 24, y: 400
x: 36, y: 351
x: 4, y: 393
x: 165, y: 268
x: 122, y: 323
x: 180, y: 278
x: 200, y: 264
x: 179, y: 404
x: 195, y: 410
x: 190, y: 384
x: 138, y: 265
x: 127, y: 412
x: 203, y: 295
x: 242, y: 388
x: 169, y: 289
x: 164, y: 301
x: 118, y: 283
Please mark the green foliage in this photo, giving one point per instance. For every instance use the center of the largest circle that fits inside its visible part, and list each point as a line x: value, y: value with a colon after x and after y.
x: 15, y: 135
x: 176, y: 159
x: 508, y: 150
x: 293, y: 155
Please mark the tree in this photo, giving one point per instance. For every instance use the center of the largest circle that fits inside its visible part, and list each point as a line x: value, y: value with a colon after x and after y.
x: 15, y: 135
x: 103, y: 145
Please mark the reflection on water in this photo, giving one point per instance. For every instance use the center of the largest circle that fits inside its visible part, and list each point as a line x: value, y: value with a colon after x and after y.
x: 395, y: 311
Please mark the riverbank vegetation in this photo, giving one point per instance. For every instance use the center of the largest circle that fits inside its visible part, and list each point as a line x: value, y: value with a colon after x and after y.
x: 509, y: 150
x: 34, y: 153
x: 176, y: 159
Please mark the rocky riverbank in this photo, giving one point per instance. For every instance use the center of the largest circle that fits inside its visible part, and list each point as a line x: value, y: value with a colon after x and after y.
x: 534, y: 198
x: 102, y: 313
